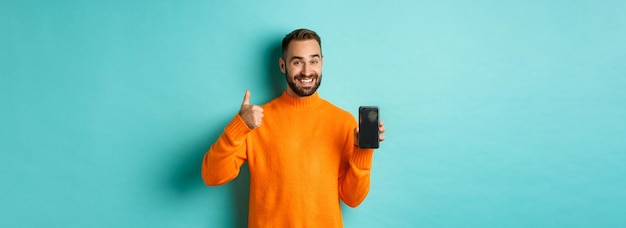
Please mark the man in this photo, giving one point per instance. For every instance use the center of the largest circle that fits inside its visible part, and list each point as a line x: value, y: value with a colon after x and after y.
x: 300, y: 148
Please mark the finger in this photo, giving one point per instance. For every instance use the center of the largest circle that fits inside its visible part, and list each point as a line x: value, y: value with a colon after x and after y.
x: 381, y: 138
x: 257, y: 108
x: 246, y: 98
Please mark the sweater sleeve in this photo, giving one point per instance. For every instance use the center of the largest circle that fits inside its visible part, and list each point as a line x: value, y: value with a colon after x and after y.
x: 222, y: 162
x: 354, y: 184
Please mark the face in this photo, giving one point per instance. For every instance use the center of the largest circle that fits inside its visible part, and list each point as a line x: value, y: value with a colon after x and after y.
x: 302, y: 66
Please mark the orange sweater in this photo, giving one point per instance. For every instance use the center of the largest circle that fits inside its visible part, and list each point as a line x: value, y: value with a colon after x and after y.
x: 302, y: 160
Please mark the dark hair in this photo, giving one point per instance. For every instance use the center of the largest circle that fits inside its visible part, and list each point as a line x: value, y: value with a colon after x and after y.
x: 300, y: 34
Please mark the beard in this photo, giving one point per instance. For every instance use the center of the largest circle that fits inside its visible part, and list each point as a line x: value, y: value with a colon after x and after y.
x: 303, y: 91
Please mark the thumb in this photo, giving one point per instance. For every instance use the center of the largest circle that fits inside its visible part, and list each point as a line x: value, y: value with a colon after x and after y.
x: 246, y: 98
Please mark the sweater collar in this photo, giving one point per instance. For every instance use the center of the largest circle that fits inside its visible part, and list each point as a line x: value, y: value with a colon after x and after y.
x: 304, y: 103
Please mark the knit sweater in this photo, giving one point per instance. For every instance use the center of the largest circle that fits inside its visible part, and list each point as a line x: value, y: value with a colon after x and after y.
x: 302, y: 160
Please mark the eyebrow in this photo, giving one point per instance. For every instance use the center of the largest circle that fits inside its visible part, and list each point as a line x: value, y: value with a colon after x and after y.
x: 301, y: 58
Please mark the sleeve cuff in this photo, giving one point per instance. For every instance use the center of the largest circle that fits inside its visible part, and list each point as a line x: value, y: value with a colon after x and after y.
x: 236, y: 130
x: 362, y: 158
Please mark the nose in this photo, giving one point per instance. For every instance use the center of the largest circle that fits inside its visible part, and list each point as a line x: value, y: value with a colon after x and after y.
x: 306, y: 69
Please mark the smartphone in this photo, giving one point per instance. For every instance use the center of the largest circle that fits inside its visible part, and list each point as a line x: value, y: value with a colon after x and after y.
x: 368, y: 127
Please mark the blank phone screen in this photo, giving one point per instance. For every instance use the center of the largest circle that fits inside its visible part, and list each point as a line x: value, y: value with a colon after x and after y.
x: 368, y: 127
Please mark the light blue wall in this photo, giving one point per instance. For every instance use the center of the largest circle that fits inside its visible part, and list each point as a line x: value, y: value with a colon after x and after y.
x: 499, y: 114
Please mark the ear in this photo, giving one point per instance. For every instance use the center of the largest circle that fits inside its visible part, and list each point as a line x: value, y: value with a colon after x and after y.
x: 281, y: 63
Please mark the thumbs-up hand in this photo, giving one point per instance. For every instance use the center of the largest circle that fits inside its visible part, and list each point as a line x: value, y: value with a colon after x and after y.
x: 251, y: 114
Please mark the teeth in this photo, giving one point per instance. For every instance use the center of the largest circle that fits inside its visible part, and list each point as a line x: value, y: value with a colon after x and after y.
x: 307, y: 81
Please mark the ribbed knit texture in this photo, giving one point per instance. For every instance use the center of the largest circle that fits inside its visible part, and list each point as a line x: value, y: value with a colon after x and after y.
x: 302, y: 161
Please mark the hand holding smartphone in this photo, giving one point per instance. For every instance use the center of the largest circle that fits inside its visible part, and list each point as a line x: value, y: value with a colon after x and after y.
x: 368, y: 127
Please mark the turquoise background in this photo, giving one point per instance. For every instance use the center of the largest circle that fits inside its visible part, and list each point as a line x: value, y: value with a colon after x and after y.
x: 499, y: 113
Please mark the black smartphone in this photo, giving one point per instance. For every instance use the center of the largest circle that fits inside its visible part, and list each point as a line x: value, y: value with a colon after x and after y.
x: 368, y: 127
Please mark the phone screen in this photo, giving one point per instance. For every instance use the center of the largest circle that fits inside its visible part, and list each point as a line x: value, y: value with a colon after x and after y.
x: 368, y: 127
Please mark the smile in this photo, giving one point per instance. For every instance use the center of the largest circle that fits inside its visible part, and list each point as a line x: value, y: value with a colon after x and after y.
x: 306, y: 82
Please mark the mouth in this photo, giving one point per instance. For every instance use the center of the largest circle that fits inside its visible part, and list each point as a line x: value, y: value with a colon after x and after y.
x: 306, y: 82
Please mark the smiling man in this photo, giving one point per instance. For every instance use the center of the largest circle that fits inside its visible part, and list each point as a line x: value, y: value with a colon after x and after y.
x: 303, y: 73
x: 300, y: 148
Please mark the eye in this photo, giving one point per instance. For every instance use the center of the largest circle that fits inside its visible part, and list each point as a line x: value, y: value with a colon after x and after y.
x: 314, y: 62
x: 297, y: 63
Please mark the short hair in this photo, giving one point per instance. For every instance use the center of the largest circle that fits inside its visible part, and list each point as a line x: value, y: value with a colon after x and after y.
x: 300, y: 34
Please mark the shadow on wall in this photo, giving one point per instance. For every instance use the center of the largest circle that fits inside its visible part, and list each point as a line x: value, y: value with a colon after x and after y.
x: 189, y: 178
x: 186, y: 178
x: 275, y: 79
